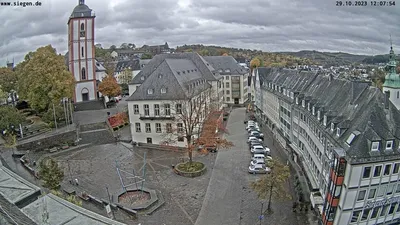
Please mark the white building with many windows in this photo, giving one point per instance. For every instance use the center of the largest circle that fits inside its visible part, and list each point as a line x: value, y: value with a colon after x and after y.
x: 169, y: 86
x: 235, y: 82
x: 345, y: 135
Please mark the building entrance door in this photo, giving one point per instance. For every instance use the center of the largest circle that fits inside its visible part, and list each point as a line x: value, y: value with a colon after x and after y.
x: 236, y: 101
x: 149, y: 141
x: 85, y: 96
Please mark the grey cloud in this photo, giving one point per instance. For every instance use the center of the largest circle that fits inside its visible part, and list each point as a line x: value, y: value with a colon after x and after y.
x: 285, y: 25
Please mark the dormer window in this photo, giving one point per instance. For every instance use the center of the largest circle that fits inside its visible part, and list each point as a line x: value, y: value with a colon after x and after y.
x: 178, y: 72
x: 160, y: 75
x: 350, y: 138
x: 338, y: 132
x: 319, y: 115
x: 142, y: 77
x: 313, y: 110
x: 219, y: 71
x: 227, y: 71
x: 332, y: 126
x: 325, y: 120
x: 303, y: 103
x: 284, y: 91
x: 389, y: 145
x: 150, y: 91
x: 309, y: 107
x: 297, y: 100
x: 163, y: 90
x: 375, y: 146
x: 291, y: 95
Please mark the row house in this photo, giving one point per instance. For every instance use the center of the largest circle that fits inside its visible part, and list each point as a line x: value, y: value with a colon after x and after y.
x: 345, y: 136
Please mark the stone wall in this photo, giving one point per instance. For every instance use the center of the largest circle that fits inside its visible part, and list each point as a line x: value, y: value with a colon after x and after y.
x: 49, y: 141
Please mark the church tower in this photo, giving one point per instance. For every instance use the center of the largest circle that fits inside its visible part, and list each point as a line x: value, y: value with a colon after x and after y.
x: 392, y: 80
x: 81, y: 52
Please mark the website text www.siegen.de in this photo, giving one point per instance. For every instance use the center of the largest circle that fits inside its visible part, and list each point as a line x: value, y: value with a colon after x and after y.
x: 21, y: 4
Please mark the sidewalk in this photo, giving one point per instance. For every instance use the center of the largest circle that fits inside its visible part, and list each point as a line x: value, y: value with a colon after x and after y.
x: 283, y: 155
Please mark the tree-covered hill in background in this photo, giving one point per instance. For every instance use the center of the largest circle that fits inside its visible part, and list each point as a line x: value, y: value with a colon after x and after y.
x: 305, y: 57
x: 267, y: 58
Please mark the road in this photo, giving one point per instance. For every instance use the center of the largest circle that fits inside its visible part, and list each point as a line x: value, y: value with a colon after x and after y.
x: 229, y: 199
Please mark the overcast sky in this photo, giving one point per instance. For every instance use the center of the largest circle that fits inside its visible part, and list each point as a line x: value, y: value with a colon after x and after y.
x: 269, y: 25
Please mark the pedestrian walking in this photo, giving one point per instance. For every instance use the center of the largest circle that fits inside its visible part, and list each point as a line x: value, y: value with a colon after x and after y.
x: 76, y: 182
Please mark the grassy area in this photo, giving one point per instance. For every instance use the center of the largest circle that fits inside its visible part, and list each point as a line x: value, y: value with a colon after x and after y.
x: 191, y: 167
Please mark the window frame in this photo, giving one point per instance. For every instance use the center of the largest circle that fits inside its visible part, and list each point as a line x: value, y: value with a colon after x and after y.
x: 391, y: 145
x: 369, y: 172
x: 146, y: 110
x: 138, y: 129
x: 136, y: 109
x: 147, y: 127
x: 375, y: 169
x: 156, y: 109
x: 158, y: 128
x: 359, y: 194
x: 375, y: 146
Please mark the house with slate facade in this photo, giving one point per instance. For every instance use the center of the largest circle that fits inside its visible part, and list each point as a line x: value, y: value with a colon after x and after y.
x: 345, y: 135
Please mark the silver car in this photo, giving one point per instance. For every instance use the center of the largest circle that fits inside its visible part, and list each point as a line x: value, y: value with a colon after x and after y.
x: 259, y: 168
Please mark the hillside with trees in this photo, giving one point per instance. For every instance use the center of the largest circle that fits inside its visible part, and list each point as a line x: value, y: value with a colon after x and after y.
x: 267, y: 58
x: 328, y: 58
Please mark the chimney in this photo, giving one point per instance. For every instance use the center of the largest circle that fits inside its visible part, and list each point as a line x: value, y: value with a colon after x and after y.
x: 387, y: 96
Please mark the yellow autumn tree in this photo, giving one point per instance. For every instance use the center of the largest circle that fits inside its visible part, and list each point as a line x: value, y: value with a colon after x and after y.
x: 43, y: 78
x: 109, y: 87
x: 254, y: 63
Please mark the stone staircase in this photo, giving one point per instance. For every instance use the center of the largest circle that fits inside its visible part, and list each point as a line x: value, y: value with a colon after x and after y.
x: 96, y: 134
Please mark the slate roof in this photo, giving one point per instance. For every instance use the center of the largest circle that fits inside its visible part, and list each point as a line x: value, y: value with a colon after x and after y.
x: 127, y: 64
x: 204, y: 67
x: 355, y: 106
x: 173, y: 74
x: 81, y: 10
x: 226, y: 65
x: 11, y: 214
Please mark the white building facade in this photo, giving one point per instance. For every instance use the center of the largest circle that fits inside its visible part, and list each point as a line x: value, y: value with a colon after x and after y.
x: 82, y: 52
x: 334, y: 130
x: 161, y: 92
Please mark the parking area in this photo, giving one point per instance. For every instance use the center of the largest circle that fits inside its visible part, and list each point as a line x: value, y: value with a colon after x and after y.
x: 229, y: 199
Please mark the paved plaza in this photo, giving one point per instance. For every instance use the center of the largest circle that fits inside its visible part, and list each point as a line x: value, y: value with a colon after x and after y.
x: 95, y: 168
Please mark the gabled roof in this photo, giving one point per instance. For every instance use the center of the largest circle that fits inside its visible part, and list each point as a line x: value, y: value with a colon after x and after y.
x: 359, y: 107
x: 226, y: 65
x: 99, y: 67
x: 204, y: 67
x: 174, y: 75
x: 127, y: 64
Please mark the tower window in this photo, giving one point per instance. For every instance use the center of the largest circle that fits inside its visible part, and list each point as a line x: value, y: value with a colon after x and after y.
x: 82, y: 52
x: 82, y: 30
x: 398, y: 94
x: 83, y: 74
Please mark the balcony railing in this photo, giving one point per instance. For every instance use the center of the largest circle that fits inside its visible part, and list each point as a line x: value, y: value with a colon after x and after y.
x: 156, y: 117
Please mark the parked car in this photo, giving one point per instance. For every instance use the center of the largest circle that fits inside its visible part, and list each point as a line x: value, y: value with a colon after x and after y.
x: 253, y: 143
x: 251, y: 126
x: 257, y: 161
x: 252, y: 138
x: 255, y: 133
x: 259, y: 168
x: 259, y: 149
x: 258, y: 156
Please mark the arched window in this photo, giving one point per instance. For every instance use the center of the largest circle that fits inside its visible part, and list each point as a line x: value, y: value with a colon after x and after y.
x: 82, y: 30
x: 83, y: 74
x: 82, y: 52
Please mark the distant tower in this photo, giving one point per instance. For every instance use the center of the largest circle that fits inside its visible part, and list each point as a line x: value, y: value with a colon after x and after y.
x: 392, y: 80
x: 81, y: 52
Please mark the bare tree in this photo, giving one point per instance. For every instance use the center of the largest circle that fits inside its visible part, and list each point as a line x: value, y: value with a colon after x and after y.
x: 197, y: 121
